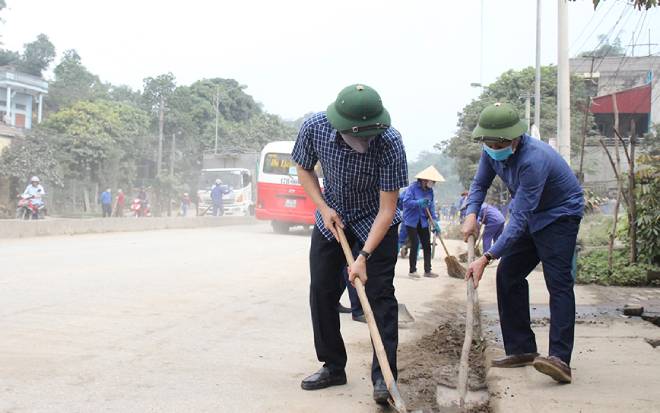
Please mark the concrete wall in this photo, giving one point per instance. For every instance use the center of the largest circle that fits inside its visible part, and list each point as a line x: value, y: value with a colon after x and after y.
x: 57, y: 226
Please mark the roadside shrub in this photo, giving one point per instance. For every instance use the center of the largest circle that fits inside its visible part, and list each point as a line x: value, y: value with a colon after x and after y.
x: 592, y: 269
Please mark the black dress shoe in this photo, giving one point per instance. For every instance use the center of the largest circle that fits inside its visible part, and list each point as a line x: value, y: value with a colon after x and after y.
x: 343, y: 309
x: 381, y: 394
x: 515, y: 360
x: 324, y: 378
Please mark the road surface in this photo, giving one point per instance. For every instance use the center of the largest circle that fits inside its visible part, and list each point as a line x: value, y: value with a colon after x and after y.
x: 203, y: 320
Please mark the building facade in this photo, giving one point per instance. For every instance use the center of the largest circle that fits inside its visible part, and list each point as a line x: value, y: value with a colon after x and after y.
x: 625, y: 85
x: 21, y: 103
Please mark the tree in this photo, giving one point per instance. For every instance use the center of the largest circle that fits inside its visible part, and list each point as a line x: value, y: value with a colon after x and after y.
x: 73, y: 83
x: 445, y: 192
x: 37, y: 56
x: 9, y: 58
x: 98, y: 143
x: 606, y: 48
x: 508, y: 88
x: 34, y: 155
x: 639, y: 4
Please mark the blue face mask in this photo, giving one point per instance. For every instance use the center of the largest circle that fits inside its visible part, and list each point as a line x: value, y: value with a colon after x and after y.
x: 499, y: 154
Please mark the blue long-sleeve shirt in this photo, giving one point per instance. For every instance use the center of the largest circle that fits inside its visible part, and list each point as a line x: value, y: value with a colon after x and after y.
x: 105, y: 198
x: 412, y: 213
x: 541, y: 183
x: 217, y: 192
x: 490, y: 215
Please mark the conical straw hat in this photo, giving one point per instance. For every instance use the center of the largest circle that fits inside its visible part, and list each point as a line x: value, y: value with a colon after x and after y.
x: 430, y: 174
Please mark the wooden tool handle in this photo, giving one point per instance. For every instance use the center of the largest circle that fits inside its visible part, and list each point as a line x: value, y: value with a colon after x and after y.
x: 469, y: 328
x: 373, y: 328
x: 430, y: 217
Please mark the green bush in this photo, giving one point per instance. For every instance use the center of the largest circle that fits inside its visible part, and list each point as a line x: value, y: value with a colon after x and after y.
x: 592, y: 269
x: 595, y: 230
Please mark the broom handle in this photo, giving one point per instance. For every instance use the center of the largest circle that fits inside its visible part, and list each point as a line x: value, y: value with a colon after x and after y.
x: 371, y: 322
x: 428, y: 214
x: 469, y: 327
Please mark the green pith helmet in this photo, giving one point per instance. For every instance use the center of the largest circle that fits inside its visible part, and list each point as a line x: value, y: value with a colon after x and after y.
x: 499, y: 120
x: 358, y: 111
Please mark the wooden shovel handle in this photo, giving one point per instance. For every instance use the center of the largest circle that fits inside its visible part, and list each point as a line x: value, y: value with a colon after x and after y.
x: 472, y: 303
x: 371, y: 322
x: 430, y: 217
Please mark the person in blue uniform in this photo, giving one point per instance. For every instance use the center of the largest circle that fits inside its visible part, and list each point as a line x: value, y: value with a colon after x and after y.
x: 492, y: 221
x: 418, y: 199
x: 545, y: 216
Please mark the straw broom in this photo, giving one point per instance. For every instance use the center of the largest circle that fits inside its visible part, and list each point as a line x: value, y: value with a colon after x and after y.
x: 454, y: 268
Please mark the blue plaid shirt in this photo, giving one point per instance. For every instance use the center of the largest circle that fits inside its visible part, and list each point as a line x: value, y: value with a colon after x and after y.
x: 352, y: 181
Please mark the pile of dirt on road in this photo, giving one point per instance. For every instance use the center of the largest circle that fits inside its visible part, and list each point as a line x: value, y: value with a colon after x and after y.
x: 433, y: 359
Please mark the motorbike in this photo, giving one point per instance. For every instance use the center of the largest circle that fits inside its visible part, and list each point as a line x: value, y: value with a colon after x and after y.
x: 140, y: 208
x: 27, y: 208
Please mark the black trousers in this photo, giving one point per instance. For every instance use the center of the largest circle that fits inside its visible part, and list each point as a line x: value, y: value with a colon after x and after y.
x: 416, y: 235
x: 326, y: 260
x: 553, y: 246
x: 107, y: 210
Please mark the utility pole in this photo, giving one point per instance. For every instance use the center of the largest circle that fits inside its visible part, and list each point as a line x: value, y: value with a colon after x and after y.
x: 528, y: 105
x: 481, y: 46
x: 649, y: 44
x: 161, y: 123
x: 563, y: 84
x: 172, y: 153
x: 537, y: 80
x: 217, y: 113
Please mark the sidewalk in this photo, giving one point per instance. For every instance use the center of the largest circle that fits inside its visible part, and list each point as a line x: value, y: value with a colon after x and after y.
x: 614, y: 368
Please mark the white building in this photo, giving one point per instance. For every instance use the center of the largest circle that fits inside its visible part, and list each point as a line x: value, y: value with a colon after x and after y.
x: 21, y: 102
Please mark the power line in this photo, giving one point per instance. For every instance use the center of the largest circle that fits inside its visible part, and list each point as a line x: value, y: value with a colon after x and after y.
x: 625, y: 11
x: 625, y: 57
x: 595, y: 28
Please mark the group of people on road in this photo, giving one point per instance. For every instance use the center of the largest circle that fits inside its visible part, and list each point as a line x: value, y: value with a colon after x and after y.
x: 364, y: 164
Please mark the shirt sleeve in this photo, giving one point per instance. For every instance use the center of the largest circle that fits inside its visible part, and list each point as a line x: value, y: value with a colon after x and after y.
x: 409, y: 200
x: 393, y: 164
x: 532, y: 182
x: 434, y: 214
x: 480, y: 184
x: 303, y: 151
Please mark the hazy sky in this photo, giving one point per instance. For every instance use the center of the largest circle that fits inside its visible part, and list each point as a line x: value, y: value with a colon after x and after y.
x: 295, y: 55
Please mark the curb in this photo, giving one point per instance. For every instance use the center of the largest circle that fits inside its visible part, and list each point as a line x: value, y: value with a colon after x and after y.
x: 491, y: 351
x: 24, y: 229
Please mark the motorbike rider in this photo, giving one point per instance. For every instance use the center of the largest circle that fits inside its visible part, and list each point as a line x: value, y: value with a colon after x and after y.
x: 35, y: 191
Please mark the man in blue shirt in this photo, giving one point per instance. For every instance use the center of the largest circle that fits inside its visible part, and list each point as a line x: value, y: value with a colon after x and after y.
x: 106, y: 203
x: 217, y: 192
x: 545, y: 216
x: 418, y: 199
x: 492, y: 221
x: 364, y: 166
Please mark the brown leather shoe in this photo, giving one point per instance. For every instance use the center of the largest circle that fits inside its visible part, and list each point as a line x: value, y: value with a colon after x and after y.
x: 553, y: 367
x: 515, y: 360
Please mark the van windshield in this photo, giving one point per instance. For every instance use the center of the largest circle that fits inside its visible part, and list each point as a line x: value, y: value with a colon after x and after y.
x: 233, y: 179
x: 282, y: 164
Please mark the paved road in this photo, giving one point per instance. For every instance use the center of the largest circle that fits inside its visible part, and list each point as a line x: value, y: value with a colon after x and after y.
x: 171, y: 321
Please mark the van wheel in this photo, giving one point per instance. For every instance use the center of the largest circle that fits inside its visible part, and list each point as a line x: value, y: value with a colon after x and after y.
x: 280, y: 227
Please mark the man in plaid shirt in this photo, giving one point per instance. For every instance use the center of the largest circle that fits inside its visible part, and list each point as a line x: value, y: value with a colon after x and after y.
x: 364, y: 165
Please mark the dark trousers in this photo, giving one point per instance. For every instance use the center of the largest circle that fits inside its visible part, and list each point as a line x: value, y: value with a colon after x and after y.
x: 491, y: 234
x: 553, y: 246
x: 326, y: 260
x: 218, y: 209
x: 107, y: 210
x: 356, y: 307
x: 416, y: 235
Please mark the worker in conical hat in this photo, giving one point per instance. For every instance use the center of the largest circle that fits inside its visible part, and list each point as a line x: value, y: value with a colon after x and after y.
x: 416, y: 201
